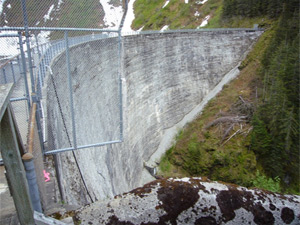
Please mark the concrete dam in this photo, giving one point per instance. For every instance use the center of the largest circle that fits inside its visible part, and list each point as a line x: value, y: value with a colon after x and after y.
x: 165, y: 78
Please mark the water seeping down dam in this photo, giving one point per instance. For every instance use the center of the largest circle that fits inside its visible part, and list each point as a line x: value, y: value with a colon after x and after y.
x: 165, y: 78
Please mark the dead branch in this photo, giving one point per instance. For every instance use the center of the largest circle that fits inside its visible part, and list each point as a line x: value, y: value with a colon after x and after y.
x: 243, y: 107
x: 226, y: 119
x: 229, y: 129
x: 231, y: 136
x: 240, y: 97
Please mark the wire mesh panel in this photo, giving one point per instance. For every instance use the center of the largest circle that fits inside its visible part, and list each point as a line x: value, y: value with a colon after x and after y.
x: 68, y: 91
x: 12, y: 71
x: 9, y: 58
x: 62, y: 13
x: 83, y: 92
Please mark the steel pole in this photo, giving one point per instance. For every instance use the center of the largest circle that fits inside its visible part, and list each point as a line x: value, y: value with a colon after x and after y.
x: 70, y: 89
x: 24, y: 70
x: 28, y: 44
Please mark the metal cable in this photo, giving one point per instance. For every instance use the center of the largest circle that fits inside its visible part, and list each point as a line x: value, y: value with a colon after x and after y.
x: 69, y: 140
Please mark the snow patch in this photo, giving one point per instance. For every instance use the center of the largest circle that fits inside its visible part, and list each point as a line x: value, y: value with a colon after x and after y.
x: 139, y: 30
x: 166, y: 27
x: 205, y: 21
x: 129, y: 18
x: 47, y: 16
x: 167, y: 2
x: 9, y: 44
x: 113, y: 15
x: 1, y: 5
x: 58, y: 4
x: 201, y: 2
x: 197, y: 14
x: 43, y: 37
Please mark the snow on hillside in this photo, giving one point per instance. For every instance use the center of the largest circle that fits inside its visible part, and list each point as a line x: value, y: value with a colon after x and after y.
x: 201, y: 2
x: 113, y: 15
x: 204, y: 22
x: 129, y: 18
x: 47, y: 16
x: 167, y: 2
x: 1, y: 5
x: 8, y: 45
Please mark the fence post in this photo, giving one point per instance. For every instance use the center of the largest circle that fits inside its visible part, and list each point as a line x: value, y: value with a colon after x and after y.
x: 24, y: 70
x: 19, y: 64
x: 4, y: 75
x: 120, y: 83
x: 28, y: 45
x: 36, y: 99
x: 32, y: 182
x: 13, y: 71
x: 37, y: 46
x: 70, y: 89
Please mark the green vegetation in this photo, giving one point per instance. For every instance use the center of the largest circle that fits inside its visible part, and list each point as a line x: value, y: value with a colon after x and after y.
x: 261, y: 181
x: 151, y: 15
x: 275, y: 136
x: 263, y: 149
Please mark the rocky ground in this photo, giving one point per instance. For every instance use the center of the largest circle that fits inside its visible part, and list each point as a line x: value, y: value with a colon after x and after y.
x: 193, y: 201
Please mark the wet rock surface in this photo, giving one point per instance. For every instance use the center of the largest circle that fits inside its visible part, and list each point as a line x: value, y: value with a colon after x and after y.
x: 193, y: 201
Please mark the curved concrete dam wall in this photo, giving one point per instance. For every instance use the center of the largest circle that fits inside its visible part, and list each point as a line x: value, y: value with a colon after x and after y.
x: 165, y: 77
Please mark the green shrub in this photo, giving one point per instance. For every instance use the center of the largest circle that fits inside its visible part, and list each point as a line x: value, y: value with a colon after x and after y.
x: 263, y: 182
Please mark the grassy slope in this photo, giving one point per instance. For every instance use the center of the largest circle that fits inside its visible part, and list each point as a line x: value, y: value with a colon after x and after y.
x: 177, y: 14
x: 199, y: 151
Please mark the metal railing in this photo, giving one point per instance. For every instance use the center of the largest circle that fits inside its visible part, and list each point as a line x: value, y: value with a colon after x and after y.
x: 39, y: 60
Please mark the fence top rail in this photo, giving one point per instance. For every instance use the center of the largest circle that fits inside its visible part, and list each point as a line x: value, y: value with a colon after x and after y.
x: 56, y: 29
x: 8, y: 61
x: 191, y: 30
x: 9, y: 35
x: 116, y: 31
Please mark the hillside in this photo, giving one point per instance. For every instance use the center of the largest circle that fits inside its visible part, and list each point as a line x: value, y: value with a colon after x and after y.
x: 67, y: 13
x: 59, y: 13
x: 249, y: 134
x: 175, y: 14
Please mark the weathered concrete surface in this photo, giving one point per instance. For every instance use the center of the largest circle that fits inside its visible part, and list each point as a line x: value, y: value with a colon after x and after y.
x: 165, y: 77
x: 193, y: 201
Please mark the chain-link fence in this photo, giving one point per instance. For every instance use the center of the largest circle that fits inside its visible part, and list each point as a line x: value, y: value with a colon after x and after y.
x: 76, y: 79
x: 62, y: 13
x: 44, y: 52
x: 64, y: 85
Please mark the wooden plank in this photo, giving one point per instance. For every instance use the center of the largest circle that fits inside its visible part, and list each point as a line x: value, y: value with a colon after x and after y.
x: 12, y: 160
x: 5, y: 92
x: 32, y: 124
